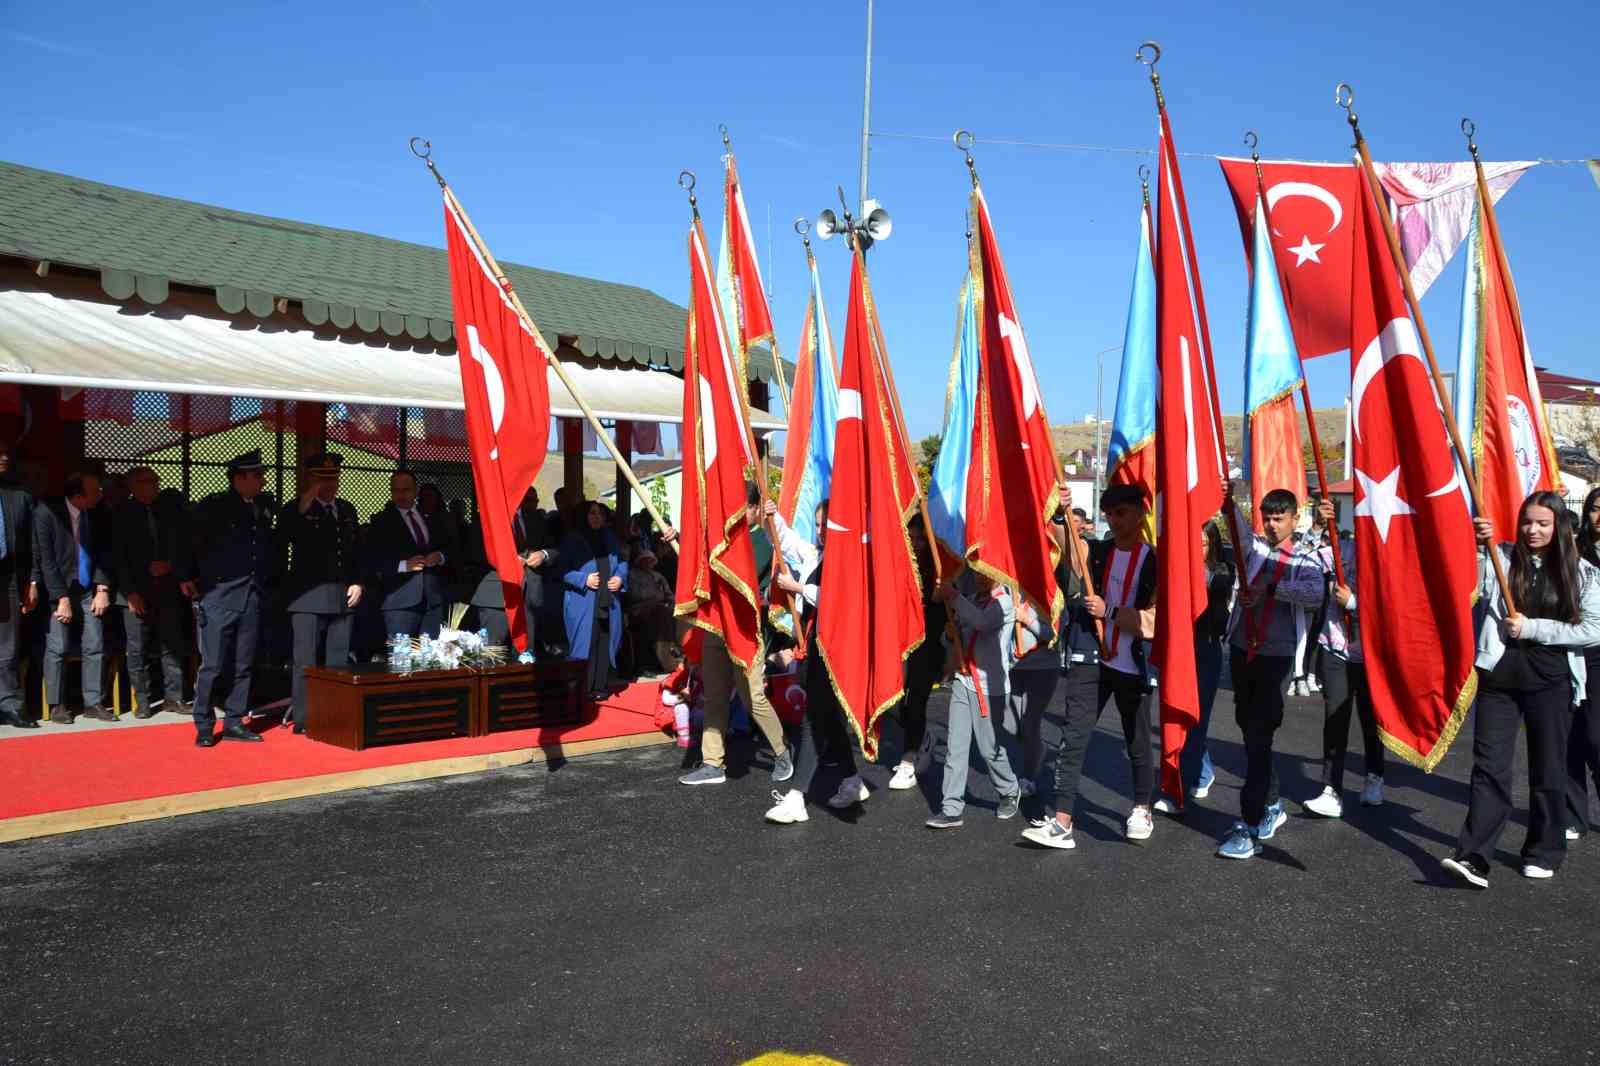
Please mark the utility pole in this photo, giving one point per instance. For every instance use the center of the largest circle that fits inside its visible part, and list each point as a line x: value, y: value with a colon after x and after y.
x: 866, y: 119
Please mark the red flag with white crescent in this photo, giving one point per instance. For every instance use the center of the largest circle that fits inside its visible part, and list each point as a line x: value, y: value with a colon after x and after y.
x: 869, y: 616
x: 717, y: 586
x: 1013, y: 452
x: 1512, y: 451
x: 1413, y: 533
x: 1189, y: 465
x: 754, y: 323
x: 507, y: 394
x: 1313, y: 209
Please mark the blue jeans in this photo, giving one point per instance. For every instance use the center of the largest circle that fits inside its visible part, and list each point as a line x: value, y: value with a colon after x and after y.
x: 1208, y: 668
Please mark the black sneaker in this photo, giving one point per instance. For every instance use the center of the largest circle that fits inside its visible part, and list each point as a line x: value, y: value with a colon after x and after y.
x: 944, y: 821
x: 1469, y: 870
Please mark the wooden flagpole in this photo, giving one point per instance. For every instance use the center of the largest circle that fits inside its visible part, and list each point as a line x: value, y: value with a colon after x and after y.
x: 426, y: 155
x: 1345, y: 97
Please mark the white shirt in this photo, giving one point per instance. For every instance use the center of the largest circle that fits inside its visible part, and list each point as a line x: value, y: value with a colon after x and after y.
x: 1116, y: 596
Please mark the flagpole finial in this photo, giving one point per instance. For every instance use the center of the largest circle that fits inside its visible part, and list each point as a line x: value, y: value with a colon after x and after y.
x: 1149, y: 53
x: 1469, y: 129
x: 1252, y: 142
x: 722, y: 128
x: 1345, y: 97
x: 422, y: 148
x: 686, y: 183
x: 802, y: 226
x: 1144, y: 182
x: 964, y: 140
x: 849, y: 220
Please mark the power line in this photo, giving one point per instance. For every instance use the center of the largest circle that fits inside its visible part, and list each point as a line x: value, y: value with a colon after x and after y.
x: 1107, y: 149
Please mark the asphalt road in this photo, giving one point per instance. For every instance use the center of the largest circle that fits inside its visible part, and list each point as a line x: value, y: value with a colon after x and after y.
x: 596, y: 912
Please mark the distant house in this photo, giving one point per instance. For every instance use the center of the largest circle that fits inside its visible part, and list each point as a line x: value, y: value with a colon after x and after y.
x: 1573, y: 406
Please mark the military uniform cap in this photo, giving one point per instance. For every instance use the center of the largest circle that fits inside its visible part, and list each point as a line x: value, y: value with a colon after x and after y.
x: 250, y: 460
x: 324, y: 464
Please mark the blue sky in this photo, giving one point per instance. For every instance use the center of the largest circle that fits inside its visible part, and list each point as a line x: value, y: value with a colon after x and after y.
x: 563, y: 128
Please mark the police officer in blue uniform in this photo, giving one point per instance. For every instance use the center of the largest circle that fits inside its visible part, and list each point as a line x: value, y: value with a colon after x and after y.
x: 318, y: 531
x: 232, y: 560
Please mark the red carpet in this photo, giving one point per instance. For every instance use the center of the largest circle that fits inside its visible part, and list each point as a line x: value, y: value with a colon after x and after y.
x: 57, y: 769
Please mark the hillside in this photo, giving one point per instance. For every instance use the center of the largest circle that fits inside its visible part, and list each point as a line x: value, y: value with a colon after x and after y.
x: 1330, y: 427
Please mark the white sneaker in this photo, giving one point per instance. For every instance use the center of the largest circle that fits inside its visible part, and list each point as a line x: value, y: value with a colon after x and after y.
x: 905, y: 776
x: 1140, y: 824
x: 1327, y: 803
x: 1573, y: 834
x: 1538, y: 873
x: 1163, y: 806
x: 852, y: 790
x: 790, y: 808
x: 1372, y: 791
x: 1208, y: 777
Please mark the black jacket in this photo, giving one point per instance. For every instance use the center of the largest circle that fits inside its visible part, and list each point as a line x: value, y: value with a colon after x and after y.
x: 232, y: 547
x: 16, y: 505
x: 144, y: 535
x: 1080, y: 629
x: 390, y: 542
x: 530, y: 535
x: 318, y: 556
x: 56, y: 552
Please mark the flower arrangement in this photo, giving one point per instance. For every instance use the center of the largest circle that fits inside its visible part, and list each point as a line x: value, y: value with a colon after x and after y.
x: 453, y: 649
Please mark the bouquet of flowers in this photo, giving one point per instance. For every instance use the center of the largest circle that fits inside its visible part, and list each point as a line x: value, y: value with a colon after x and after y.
x: 452, y: 649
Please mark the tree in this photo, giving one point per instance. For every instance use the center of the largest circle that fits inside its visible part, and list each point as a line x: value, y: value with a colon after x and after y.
x: 929, y: 447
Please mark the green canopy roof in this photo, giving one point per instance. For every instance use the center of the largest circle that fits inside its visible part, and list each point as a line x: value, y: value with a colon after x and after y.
x: 141, y: 243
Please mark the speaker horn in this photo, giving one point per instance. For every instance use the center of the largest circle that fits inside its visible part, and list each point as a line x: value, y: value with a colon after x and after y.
x: 877, y: 224
x: 828, y: 225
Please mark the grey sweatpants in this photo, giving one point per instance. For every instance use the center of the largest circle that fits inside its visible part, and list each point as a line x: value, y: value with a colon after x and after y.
x: 965, y: 723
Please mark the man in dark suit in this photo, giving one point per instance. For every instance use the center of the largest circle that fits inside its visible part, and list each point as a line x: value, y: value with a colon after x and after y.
x: 147, y: 542
x: 73, y: 562
x: 18, y: 593
x: 409, y: 554
x: 233, y: 557
x: 318, y: 531
x: 538, y: 555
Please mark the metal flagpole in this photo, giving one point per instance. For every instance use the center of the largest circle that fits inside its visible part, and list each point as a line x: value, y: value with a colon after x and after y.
x: 866, y: 118
x: 425, y: 153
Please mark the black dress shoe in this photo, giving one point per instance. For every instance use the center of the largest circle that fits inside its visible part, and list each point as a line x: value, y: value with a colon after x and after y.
x: 206, y: 740
x: 11, y: 719
x: 239, y: 732
x: 299, y: 730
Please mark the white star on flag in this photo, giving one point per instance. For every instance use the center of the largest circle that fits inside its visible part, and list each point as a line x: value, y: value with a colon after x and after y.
x: 1382, y: 501
x: 1305, y: 251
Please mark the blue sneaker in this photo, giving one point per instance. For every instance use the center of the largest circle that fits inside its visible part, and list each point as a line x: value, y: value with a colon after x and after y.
x: 1271, y: 821
x: 1240, y: 843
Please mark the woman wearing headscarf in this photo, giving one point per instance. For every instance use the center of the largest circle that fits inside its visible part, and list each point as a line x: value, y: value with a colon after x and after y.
x: 595, y: 575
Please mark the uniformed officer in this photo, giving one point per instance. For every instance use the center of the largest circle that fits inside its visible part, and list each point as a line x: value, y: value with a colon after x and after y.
x: 318, y: 530
x: 233, y: 556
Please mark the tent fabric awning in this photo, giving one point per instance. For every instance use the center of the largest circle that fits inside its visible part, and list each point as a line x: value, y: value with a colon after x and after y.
x: 48, y: 339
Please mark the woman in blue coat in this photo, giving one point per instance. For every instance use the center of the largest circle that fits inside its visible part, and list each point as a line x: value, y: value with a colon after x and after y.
x: 595, y: 577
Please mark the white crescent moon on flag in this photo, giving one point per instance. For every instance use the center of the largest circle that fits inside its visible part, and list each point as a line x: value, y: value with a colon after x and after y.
x: 493, y: 385
x: 1011, y: 333
x: 1286, y: 189
x: 1397, y: 339
x: 849, y: 404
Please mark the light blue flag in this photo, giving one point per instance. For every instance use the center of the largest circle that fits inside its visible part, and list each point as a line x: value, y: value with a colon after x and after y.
x: 1272, y: 363
x: 818, y: 472
x: 1133, y: 424
x: 947, y: 494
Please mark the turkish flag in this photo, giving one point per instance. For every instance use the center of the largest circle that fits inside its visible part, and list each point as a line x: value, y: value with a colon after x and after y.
x: 717, y: 585
x: 869, y: 616
x: 1312, y: 206
x: 1189, y: 467
x: 507, y: 394
x: 1413, y: 534
x: 1007, y: 507
x: 750, y: 298
x: 1513, y: 453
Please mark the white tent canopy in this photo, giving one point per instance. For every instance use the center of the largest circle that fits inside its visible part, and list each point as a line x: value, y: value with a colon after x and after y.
x: 46, y: 339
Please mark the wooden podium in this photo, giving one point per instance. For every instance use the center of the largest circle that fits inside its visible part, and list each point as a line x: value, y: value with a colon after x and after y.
x: 369, y: 705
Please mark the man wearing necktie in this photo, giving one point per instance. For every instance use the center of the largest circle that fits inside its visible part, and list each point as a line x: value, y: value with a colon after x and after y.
x: 18, y: 592
x: 317, y: 531
x: 409, y: 553
x: 155, y: 612
x: 73, y: 561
